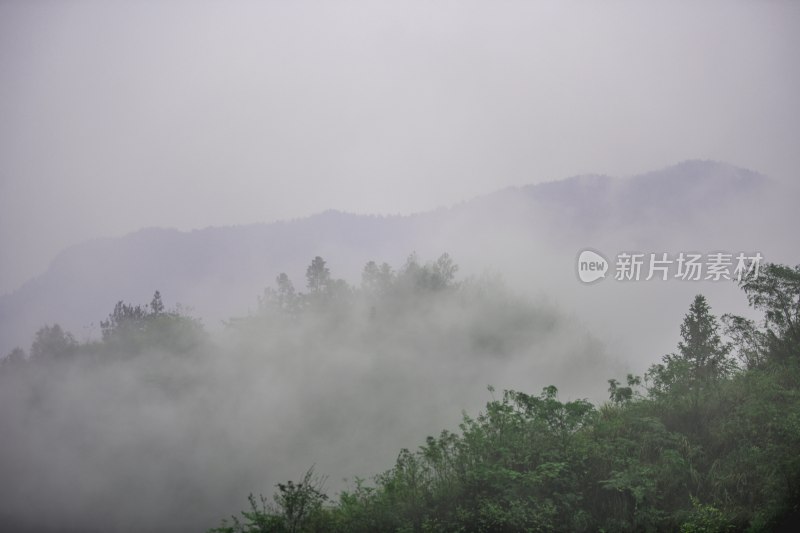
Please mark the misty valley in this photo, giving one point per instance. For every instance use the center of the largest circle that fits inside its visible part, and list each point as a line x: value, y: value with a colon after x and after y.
x: 399, y: 266
x: 309, y: 413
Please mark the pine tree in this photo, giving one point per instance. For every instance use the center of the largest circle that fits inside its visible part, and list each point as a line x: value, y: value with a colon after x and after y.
x: 702, y: 358
x: 318, y: 276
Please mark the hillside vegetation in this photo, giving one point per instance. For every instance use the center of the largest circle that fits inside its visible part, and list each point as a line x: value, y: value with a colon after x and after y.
x: 706, y: 440
x: 147, y: 426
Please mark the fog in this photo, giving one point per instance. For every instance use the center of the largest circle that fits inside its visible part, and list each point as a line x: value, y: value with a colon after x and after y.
x: 170, y: 429
x: 136, y: 435
x: 123, y: 115
x: 241, y: 123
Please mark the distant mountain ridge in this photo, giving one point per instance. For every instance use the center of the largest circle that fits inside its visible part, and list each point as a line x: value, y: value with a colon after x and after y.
x: 219, y: 271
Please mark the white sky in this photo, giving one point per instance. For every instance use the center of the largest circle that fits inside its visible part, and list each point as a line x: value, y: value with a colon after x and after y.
x: 120, y: 115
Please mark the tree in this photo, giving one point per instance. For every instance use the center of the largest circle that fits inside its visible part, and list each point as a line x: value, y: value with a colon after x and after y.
x: 430, y: 277
x: 299, y: 506
x: 752, y: 344
x: 444, y: 270
x: 52, y: 342
x: 701, y: 344
x: 377, y: 280
x: 619, y: 394
x: 156, y: 305
x: 125, y: 319
x: 318, y: 276
x: 776, y: 291
x: 132, y: 328
x: 286, y: 293
x: 283, y: 298
x: 702, y: 357
x: 299, y: 502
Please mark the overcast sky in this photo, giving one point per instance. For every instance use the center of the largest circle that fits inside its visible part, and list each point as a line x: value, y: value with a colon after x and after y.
x: 120, y: 115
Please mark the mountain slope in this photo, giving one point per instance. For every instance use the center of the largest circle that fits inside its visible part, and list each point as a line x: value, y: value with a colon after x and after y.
x: 218, y: 272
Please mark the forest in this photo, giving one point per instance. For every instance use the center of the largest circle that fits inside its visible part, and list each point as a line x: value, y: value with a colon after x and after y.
x: 705, y: 440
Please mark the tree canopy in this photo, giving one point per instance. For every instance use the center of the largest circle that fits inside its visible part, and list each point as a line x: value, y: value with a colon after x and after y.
x: 701, y: 444
x: 706, y: 440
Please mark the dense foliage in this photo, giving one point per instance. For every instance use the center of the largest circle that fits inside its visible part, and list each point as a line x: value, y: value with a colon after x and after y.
x: 704, y: 442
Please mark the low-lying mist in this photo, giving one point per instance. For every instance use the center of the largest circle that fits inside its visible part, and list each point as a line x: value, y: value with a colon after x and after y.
x: 163, y: 426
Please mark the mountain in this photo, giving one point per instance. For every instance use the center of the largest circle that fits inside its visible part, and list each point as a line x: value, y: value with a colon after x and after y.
x: 219, y: 272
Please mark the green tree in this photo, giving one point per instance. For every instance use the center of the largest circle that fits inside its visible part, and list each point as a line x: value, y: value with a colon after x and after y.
x: 299, y: 503
x: 751, y: 343
x: 298, y: 508
x: 619, y: 394
x: 776, y: 291
x: 702, y: 359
